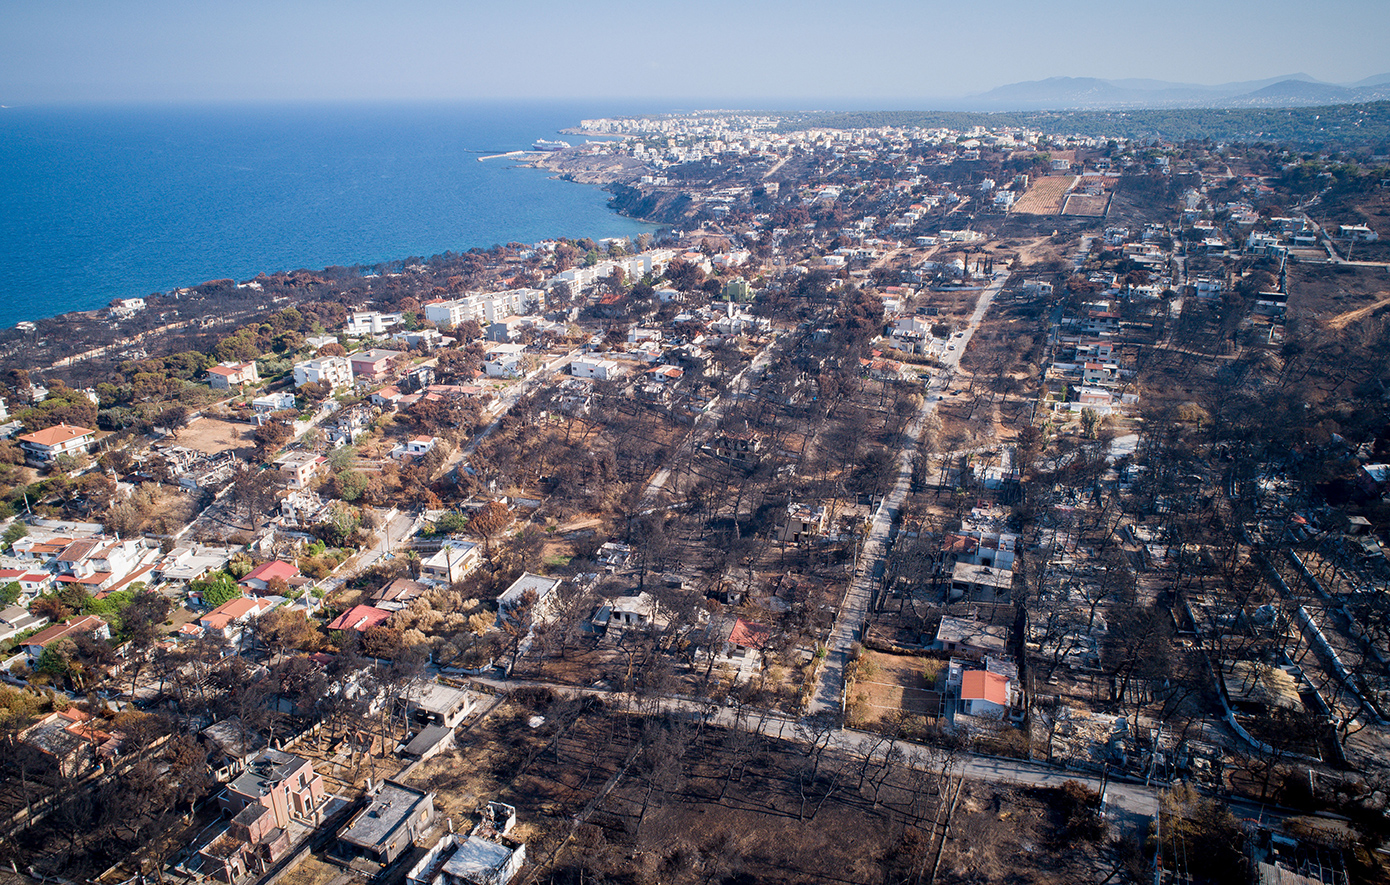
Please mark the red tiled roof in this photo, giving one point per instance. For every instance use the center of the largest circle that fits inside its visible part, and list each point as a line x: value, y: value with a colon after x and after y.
x: 750, y: 635
x: 982, y: 685
x: 268, y: 571
x: 98, y: 578
x: 58, y: 631
x: 231, y: 610
x: 360, y: 617
x: 959, y: 544
x: 56, y: 435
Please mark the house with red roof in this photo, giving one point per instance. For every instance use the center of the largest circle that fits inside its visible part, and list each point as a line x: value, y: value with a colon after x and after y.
x: 88, y: 625
x: 229, y: 618
x: 45, y: 446
x: 258, y: 580
x: 360, y: 618
x: 983, y: 693
x: 747, y: 634
x: 30, y: 583
x: 44, y: 550
x: 227, y: 376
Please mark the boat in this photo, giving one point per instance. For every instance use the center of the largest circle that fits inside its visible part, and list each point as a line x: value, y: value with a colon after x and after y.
x: 543, y: 145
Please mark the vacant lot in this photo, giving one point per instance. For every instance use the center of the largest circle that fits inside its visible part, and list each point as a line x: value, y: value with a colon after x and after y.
x: 887, y: 684
x: 1337, y: 291
x: 1084, y: 204
x: 214, y: 435
x: 1045, y: 196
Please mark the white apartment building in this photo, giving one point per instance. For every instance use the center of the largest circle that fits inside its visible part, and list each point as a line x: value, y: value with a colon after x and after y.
x: 485, y: 307
x: 335, y: 371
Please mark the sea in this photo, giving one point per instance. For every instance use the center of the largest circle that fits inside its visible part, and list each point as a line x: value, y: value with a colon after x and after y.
x: 105, y: 202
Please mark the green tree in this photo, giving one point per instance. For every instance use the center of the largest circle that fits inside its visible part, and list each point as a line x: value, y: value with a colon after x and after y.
x: 340, y: 525
x: 16, y: 531
x: 1090, y: 420
x: 216, y: 588
x: 450, y: 523
x: 54, y: 661
x: 350, y: 484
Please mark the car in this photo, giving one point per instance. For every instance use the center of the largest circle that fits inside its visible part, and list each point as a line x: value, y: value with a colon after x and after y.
x: 951, y: 347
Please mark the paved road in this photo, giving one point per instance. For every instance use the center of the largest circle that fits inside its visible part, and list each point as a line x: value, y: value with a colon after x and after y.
x: 830, y: 687
x: 397, y: 526
x: 504, y: 404
x: 1127, y: 802
x: 1122, y: 797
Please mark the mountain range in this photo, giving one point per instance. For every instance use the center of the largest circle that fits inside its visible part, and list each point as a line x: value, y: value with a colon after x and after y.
x: 1090, y: 93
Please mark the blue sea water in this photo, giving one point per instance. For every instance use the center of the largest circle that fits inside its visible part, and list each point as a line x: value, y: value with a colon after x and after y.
x: 99, y: 203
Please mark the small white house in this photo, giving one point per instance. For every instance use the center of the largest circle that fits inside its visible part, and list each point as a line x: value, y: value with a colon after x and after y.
x: 272, y: 402
x: 983, y: 693
x: 414, y: 449
x: 504, y: 360
x: 226, y: 376
x: 452, y: 562
x: 597, y: 369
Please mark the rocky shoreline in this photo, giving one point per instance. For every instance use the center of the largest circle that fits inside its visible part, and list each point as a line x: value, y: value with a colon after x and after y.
x: 584, y: 167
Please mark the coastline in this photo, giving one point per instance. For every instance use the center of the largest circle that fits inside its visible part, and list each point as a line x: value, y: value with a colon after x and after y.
x: 88, y: 338
x: 585, y: 167
x: 234, y: 192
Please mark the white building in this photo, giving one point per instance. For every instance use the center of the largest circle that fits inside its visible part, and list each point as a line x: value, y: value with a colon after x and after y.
x: 123, y: 308
x: 598, y: 370
x: 370, y: 322
x: 484, y: 307
x: 452, y: 562
x: 545, y: 597
x: 413, y: 449
x: 45, y: 446
x: 272, y: 402
x: 335, y: 371
x: 504, y: 360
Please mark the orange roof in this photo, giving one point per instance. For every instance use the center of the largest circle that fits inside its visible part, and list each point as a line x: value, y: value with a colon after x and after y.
x: 56, y: 435
x: 953, y: 543
x: 90, y: 623
x: 231, y: 610
x: 360, y: 617
x: 96, y: 578
x: 982, y: 685
x: 269, y: 571
x: 750, y: 635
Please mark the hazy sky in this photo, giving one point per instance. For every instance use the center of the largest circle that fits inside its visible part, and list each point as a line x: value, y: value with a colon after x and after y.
x: 871, y: 53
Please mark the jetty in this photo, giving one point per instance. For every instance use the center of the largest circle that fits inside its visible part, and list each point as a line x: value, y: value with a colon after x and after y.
x: 507, y: 154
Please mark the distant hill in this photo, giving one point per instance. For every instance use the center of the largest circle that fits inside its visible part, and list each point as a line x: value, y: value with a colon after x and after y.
x: 1377, y: 80
x: 1091, y: 93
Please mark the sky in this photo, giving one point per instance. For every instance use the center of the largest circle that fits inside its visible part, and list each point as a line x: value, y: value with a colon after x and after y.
x: 774, y: 53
